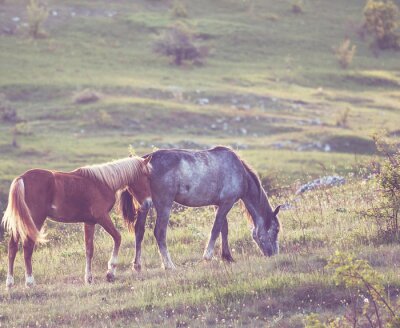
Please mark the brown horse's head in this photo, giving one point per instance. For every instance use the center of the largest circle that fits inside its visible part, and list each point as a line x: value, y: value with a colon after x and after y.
x: 141, y: 188
x: 137, y: 197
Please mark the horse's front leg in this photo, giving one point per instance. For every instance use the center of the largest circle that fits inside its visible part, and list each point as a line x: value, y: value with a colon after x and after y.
x: 226, y: 252
x: 160, y: 232
x: 89, y: 234
x: 108, y: 226
x: 222, y: 211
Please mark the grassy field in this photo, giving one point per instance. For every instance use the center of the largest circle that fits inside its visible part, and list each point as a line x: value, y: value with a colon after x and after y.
x: 271, y: 88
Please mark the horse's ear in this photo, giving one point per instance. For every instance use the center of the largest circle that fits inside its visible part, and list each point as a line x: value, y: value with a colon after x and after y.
x: 277, y: 210
x: 147, y: 160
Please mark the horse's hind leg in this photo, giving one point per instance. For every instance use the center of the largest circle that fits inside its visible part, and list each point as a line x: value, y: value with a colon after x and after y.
x: 108, y: 225
x: 226, y: 253
x: 160, y: 232
x: 29, y: 246
x: 89, y: 234
x: 28, y: 251
x: 12, y: 252
x: 222, y: 211
x: 139, y: 233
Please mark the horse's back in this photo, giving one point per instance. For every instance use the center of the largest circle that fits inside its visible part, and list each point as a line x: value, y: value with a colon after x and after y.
x: 198, y: 178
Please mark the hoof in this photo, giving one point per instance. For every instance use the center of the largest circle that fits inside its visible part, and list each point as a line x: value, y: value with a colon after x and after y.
x: 29, y: 282
x: 9, y: 282
x: 110, y: 277
x: 227, y: 258
x: 207, y: 257
x: 89, y: 280
x: 170, y: 266
x: 137, y: 267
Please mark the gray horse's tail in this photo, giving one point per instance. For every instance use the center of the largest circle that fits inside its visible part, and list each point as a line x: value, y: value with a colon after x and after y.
x: 129, y: 208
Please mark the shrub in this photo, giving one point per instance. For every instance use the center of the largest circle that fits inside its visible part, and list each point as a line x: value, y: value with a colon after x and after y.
x: 369, y: 305
x: 297, y: 7
x: 37, y: 15
x: 342, y: 120
x: 386, y: 209
x: 104, y: 119
x: 22, y: 128
x: 345, y: 53
x: 179, y: 9
x: 178, y: 42
x: 86, y: 96
x: 381, y: 21
x: 7, y: 113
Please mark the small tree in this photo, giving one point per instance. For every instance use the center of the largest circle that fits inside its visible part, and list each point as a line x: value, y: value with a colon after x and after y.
x: 389, y: 181
x: 37, y: 15
x: 179, y: 9
x: 7, y: 112
x: 370, y: 305
x: 345, y: 53
x: 343, y: 118
x: 297, y: 7
x: 178, y: 42
x: 385, y: 210
x: 382, y: 21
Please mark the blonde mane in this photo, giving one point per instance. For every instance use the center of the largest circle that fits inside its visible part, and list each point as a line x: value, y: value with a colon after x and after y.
x: 116, y: 174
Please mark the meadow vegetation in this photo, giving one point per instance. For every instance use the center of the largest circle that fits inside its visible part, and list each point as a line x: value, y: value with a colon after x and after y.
x: 272, y: 89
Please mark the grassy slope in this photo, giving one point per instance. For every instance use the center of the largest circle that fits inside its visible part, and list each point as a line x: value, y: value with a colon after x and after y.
x: 269, y: 59
x: 253, y: 291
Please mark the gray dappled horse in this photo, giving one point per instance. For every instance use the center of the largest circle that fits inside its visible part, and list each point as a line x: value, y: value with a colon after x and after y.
x: 199, y: 178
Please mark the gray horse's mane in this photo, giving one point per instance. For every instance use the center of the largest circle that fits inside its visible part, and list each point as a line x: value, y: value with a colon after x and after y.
x: 263, y: 202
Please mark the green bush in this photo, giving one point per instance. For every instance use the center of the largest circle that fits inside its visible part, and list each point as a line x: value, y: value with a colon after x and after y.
x: 369, y: 305
x: 297, y: 7
x: 37, y: 15
x: 389, y: 181
x: 343, y: 118
x: 345, y: 53
x: 385, y: 210
x: 178, y: 42
x: 104, y: 119
x: 7, y: 112
x: 23, y: 129
x: 179, y: 9
x: 382, y: 21
x: 86, y: 96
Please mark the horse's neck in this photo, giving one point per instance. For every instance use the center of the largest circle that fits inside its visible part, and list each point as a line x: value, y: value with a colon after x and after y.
x: 115, y: 187
x: 256, y: 201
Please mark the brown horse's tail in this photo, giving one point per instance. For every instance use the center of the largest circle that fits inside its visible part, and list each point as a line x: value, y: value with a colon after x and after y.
x: 17, y: 218
x: 129, y: 208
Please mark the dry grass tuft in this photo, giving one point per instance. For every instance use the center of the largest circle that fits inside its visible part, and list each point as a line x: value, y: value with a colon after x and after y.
x: 86, y: 96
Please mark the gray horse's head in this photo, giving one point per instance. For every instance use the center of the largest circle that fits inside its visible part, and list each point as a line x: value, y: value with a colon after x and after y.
x: 267, y: 239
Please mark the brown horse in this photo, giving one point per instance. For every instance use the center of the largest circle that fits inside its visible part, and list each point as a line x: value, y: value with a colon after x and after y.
x: 85, y: 195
